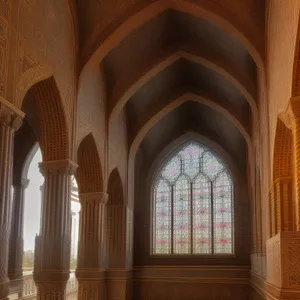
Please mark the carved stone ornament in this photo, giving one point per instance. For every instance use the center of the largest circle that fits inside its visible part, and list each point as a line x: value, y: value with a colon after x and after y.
x: 64, y: 167
x: 283, y: 260
x: 10, y: 116
x: 291, y: 113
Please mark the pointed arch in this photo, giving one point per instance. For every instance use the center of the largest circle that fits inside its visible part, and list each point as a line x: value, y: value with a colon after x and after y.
x: 225, y: 110
x: 115, y: 188
x: 53, y: 136
x: 89, y: 173
x: 116, y: 222
x: 124, y: 90
x: 29, y: 79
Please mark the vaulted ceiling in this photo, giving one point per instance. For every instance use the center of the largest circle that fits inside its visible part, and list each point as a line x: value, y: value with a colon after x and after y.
x: 176, y: 66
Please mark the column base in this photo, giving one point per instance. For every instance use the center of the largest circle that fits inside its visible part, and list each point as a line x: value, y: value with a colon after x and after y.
x: 16, y: 286
x: 51, y: 290
x: 51, y: 285
x: 15, y: 274
x: 91, y: 284
x: 118, y: 284
x: 258, y: 264
x: 283, y: 265
x: 4, y: 289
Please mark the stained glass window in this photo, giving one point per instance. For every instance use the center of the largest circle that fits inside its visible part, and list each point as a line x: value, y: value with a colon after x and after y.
x: 193, y: 204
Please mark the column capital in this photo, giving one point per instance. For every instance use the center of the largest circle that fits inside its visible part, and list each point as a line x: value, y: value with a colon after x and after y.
x: 291, y: 113
x: 10, y: 116
x: 65, y: 166
x: 100, y: 197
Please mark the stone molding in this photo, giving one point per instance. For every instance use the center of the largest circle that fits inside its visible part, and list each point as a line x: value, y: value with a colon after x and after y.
x: 11, y: 107
x: 100, y: 198
x: 9, y: 118
x: 88, y: 274
x: 258, y: 264
x: 118, y: 274
x: 200, y: 274
x: 64, y: 167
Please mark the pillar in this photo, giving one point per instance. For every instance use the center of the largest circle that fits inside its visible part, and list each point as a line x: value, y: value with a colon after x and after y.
x: 273, y: 223
x: 15, y: 269
x: 284, y: 203
x: 90, y: 271
x: 296, y: 144
x: 119, y: 242
x: 53, y: 244
x: 10, y: 121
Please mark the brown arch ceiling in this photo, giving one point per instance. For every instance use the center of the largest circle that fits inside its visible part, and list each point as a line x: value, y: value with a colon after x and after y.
x: 154, y: 119
x: 126, y: 89
x: 89, y: 172
x: 152, y: 10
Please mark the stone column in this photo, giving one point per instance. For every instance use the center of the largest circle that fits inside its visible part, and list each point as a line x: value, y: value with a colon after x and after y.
x: 90, y: 271
x: 10, y: 121
x: 119, y: 251
x: 53, y: 244
x: 272, y: 207
x: 296, y: 144
x: 15, y: 269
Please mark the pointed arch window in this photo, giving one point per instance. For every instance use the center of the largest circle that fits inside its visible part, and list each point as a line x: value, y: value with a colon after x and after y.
x: 193, y: 205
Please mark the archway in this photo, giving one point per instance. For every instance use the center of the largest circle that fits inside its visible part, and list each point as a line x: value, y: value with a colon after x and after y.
x: 116, y: 222
x: 44, y: 126
x: 89, y: 173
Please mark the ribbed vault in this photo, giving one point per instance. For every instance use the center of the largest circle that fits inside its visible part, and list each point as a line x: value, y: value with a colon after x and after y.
x: 178, y: 66
x: 195, y: 117
x: 99, y: 20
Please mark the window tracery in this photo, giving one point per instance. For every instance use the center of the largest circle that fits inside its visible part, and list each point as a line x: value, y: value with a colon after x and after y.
x: 193, y: 205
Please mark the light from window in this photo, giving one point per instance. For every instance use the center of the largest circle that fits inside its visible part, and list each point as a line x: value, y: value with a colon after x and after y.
x: 193, y: 205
